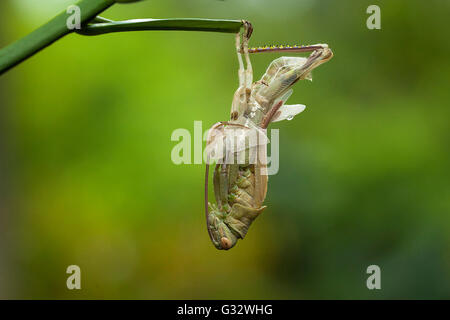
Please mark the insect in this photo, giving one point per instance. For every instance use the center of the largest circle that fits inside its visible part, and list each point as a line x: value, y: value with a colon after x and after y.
x: 240, y: 145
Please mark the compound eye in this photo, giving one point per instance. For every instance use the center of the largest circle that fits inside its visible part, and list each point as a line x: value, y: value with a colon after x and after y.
x: 225, y: 243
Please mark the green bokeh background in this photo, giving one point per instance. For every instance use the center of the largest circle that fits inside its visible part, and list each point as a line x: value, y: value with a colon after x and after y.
x: 86, y: 176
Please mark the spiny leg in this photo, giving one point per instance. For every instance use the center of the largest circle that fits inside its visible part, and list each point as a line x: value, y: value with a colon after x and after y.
x: 287, y: 48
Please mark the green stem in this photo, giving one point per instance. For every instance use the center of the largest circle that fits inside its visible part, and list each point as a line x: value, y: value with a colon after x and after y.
x: 186, y: 24
x: 53, y: 30
x: 56, y: 28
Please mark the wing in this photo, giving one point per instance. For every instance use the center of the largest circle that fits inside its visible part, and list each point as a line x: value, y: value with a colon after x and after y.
x: 288, y: 112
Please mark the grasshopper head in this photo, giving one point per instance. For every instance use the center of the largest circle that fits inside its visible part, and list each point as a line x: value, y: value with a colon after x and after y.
x: 226, y: 228
x: 221, y: 235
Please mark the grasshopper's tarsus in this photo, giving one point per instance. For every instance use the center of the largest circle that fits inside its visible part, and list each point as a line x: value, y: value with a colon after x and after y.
x: 248, y: 28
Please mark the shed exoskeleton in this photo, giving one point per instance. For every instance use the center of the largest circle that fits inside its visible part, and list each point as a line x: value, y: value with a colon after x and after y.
x: 240, y: 145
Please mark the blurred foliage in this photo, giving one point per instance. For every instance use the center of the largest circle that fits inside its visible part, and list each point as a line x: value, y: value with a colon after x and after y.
x: 86, y: 176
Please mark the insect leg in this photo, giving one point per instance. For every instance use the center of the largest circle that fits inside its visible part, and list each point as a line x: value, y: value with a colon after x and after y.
x: 241, y: 71
x: 241, y: 95
x: 268, y: 117
x: 296, y: 48
x: 223, y: 180
x: 249, y: 70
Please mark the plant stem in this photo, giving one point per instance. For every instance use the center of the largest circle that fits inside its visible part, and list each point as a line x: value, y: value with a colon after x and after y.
x: 53, y: 30
x: 56, y: 28
x: 186, y: 24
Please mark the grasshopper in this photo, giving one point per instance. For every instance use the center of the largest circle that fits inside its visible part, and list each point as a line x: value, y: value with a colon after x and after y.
x: 240, y: 187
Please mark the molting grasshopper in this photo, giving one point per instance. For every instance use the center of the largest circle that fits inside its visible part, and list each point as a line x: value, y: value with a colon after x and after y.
x: 240, y: 145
